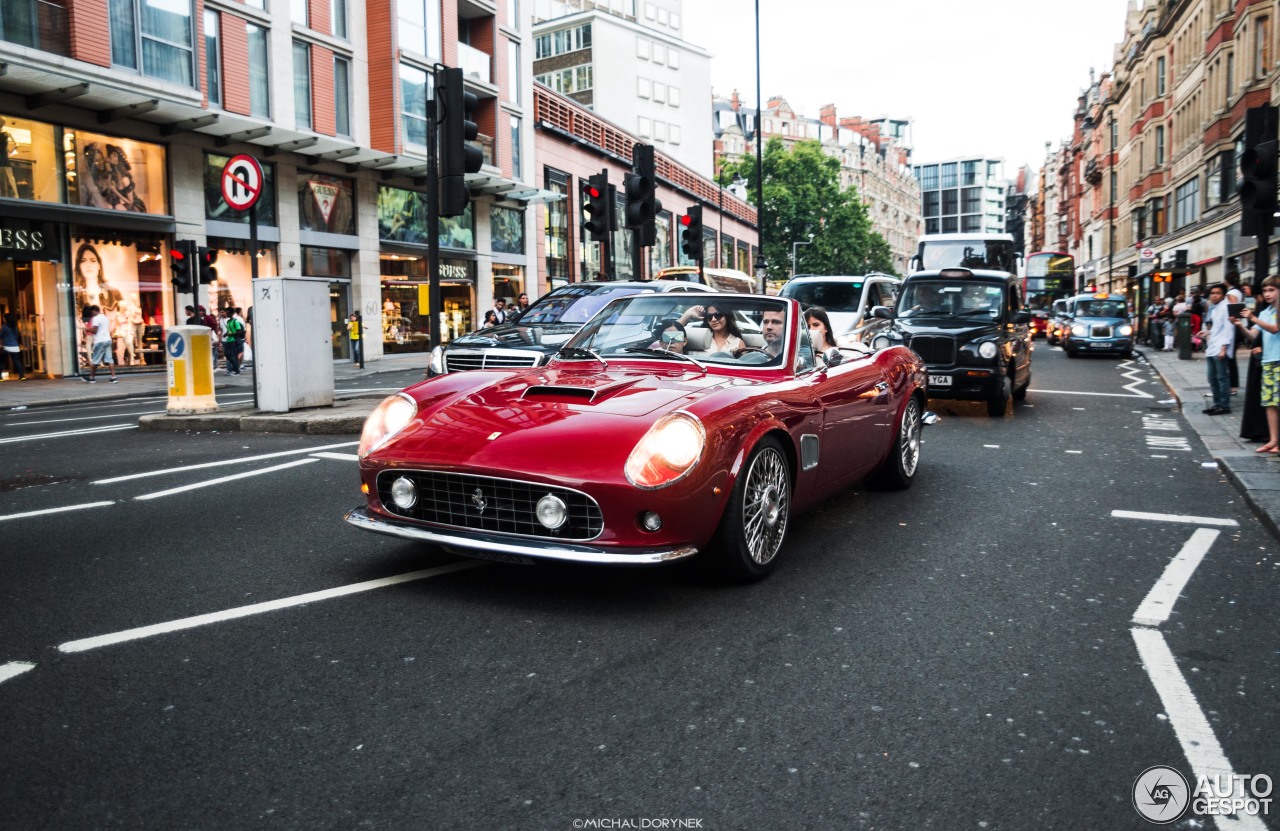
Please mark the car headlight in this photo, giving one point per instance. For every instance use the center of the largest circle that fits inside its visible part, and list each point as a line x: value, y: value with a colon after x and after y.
x: 988, y: 350
x: 1078, y: 330
x: 389, y: 418
x: 1124, y: 331
x: 670, y: 449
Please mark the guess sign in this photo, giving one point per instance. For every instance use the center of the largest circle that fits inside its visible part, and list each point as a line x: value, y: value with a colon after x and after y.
x: 25, y: 240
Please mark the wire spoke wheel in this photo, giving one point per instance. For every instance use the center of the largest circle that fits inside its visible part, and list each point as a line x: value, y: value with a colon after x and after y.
x: 909, y: 438
x: 766, y: 505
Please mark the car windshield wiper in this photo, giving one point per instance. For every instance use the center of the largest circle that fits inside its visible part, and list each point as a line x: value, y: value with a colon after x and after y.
x: 579, y: 352
x: 645, y: 350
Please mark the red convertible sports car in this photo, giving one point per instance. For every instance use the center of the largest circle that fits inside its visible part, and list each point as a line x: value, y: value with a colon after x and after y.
x: 669, y: 426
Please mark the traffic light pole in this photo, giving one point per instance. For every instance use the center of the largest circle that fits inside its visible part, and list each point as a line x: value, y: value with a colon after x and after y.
x: 434, y: 306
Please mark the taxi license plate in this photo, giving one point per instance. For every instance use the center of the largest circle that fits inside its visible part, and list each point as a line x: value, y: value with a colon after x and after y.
x: 1100, y: 345
x: 939, y: 380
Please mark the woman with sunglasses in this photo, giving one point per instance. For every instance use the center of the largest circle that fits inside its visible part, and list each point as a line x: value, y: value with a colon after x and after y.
x: 669, y: 336
x: 725, y: 335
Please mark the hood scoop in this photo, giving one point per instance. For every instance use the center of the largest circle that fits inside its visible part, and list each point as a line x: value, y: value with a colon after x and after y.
x: 590, y: 391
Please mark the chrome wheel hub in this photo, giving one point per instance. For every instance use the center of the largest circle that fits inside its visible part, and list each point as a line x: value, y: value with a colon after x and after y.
x: 766, y: 505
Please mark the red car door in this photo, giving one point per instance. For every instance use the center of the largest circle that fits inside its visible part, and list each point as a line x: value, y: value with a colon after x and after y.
x: 857, y: 419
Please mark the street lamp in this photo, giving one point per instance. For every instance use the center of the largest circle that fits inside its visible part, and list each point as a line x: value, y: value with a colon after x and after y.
x: 760, y: 266
x: 793, y: 253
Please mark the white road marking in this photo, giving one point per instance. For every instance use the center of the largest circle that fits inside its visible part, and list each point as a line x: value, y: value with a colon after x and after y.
x: 1158, y: 605
x: 84, y: 432
x: 1194, y: 520
x: 86, y: 644
x: 13, y: 669
x: 992, y: 446
x: 1075, y: 452
x: 80, y: 418
x: 205, y: 465
x: 341, y: 457
x: 1101, y: 394
x: 1134, y: 373
x: 1154, y: 456
x: 1195, y: 735
x: 58, y: 510
x: 222, y: 479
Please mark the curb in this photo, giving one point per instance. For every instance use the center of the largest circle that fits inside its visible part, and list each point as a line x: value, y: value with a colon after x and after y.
x: 328, y: 421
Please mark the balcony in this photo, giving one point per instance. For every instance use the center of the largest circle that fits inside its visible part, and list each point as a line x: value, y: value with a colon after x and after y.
x: 37, y: 24
x: 474, y: 63
x: 1093, y: 172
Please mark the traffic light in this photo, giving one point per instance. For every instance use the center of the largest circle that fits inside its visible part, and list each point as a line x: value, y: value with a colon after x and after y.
x: 205, y: 258
x: 595, y: 207
x: 691, y: 235
x: 180, y: 264
x: 641, y: 194
x: 458, y: 156
x: 1258, y: 169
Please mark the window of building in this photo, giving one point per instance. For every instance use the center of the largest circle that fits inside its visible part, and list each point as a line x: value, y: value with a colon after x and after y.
x: 949, y: 176
x: 644, y: 126
x: 259, y: 77
x: 969, y: 173
x: 216, y: 207
x: 1262, y: 47
x: 419, y: 27
x: 644, y: 87
x: 556, y: 231
x: 562, y: 42
x: 1187, y: 209
x: 338, y: 14
x: 673, y: 58
x: 674, y: 133
x: 342, y: 96
x: 154, y: 39
x: 950, y: 201
x: 298, y: 12
x: 659, y: 54
x: 1156, y: 217
x: 506, y: 227
x: 34, y: 160
x: 970, y: 224
x: 1160, y: 73
x: 673, y: 96
x: 1229, y: 75
x: 930, y: 201
x: 659, y: 131
x: 115, y: 173
x: 326, y: 203
x: 949, y: 225
x: 644, y: 48
x: 1159, y: 146
x: 928, y: 177
x: 516, y: 164
x: 301, y: 85
x: 212, y: 58
x: 414, y: 94
x: 514, y: 79
x: 971, y: 201
x: 659, y: 93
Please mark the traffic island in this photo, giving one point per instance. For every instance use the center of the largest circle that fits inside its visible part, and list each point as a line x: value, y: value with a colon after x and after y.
x: 343, y: 418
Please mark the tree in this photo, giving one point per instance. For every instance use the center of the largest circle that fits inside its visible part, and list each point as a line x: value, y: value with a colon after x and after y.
x: 802, y: 196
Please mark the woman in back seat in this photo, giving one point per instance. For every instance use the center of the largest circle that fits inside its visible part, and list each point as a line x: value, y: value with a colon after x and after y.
x: 725, y: 335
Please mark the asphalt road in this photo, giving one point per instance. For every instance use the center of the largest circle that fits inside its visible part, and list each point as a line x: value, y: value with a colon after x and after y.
x: 961, y: 655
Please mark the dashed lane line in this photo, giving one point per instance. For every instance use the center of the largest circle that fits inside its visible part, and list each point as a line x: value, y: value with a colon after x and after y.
x: 222, y: 463
x: 140, y: 632
x: 222, y: 479
x: 61, y: 510
x: 13, y: 669
x: 340, y: 457
x: 86, y: 432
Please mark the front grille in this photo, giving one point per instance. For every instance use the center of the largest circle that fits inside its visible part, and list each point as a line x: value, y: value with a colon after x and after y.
x: 462, y: 361
x: 1100, y: 332
x: 935, y: 350
x: 455, y: 499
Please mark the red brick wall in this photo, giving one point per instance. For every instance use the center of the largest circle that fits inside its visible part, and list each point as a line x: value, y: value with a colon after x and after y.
x: 235, y: 64
x: 90, y: 35
x: 202, y: 80
x: 318, y: 17
x: 384, y: 76
x: 449, y: 28
x: 323, y: 114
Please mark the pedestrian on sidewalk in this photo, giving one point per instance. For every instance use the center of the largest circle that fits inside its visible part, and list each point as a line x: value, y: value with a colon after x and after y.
x: 354, y: 325
x: 1267, y: 325
x: 1219, y: 351
x: 1234, y: 295
x: 100, y: 352
x: 232, y: 340
x: 12, y: 342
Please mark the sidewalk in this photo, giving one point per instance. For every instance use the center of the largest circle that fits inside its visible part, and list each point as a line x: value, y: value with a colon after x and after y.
x: 1256, y: 476
x: 43, y: 392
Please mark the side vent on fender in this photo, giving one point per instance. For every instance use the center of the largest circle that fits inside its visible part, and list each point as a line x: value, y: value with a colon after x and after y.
x: 808, y: 451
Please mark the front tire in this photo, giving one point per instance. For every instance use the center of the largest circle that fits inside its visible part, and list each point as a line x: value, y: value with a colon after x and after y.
x: 898, y: 471
x: 754, y: 524
x: 997, y: 405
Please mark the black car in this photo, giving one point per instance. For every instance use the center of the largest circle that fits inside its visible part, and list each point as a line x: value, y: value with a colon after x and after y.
x: 534, y: 336
x: 971, y: 330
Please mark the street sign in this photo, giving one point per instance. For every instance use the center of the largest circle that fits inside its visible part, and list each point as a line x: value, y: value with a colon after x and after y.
x: 1147, y: 254
x: 241, y: 182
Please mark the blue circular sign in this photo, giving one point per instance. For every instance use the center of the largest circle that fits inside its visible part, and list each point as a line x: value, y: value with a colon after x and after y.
x: 175, y: 345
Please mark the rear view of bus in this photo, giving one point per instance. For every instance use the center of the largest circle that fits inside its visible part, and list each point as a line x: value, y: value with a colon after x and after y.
x: 1051, y: 276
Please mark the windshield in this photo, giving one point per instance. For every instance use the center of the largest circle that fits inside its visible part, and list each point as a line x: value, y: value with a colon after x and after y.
x: 993, y: 254
x: 832, y: 296
x: 950, y: 298
x: 745, y: 331
x: 1100, y: 308
x: 573, y: 304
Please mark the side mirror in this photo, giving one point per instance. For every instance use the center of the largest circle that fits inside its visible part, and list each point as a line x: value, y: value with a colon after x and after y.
x: 1022, y: 317
x: 883, y: 313
x: 833, y: 357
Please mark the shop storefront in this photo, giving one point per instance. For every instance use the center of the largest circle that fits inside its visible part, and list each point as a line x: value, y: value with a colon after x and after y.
x: 84, y: 222
x: 507, y: 236
x: 326, y: 210
x: 402, y: 230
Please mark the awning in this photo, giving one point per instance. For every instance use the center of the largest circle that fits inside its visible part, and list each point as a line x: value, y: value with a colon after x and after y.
x: 1209, y: 261
x: 509, y: 190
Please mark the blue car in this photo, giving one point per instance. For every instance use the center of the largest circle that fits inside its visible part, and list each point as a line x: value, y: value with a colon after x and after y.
x: 1097, y: 322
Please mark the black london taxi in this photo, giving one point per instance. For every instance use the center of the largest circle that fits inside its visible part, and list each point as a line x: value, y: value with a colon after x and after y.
x: 1097, y: 323
x: 972, y: 331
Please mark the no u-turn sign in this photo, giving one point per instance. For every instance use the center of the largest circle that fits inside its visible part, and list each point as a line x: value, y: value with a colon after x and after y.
x: 241, y: 182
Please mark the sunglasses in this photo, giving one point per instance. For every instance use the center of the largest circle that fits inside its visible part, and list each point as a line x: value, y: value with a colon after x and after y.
x: 714, y: 315
x: 673, y: 337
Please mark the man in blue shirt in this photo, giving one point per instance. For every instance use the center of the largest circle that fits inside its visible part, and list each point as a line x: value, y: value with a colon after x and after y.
x: 1219, y: 350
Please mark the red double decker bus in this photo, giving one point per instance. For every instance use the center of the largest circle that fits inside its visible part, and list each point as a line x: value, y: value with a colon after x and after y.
x: 1050, y: 276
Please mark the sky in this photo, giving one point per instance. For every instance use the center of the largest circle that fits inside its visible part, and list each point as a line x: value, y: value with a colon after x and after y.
x: 994, y: 78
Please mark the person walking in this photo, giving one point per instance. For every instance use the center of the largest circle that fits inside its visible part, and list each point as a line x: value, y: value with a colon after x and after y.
x: 232, y: 340
x: 1219, y: 351
x: 354, y: 325
x: 1269, y: 328
x: 12, y: 343
x: 99, y: 329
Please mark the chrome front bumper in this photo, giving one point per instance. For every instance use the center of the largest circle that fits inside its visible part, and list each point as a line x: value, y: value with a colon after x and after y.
x: 504, y: 549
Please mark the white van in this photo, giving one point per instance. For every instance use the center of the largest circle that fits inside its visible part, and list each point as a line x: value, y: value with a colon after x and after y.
x: 847, y: 300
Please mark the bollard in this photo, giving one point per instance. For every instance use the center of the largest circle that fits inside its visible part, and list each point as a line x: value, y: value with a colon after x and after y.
x: 1182, y: 335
